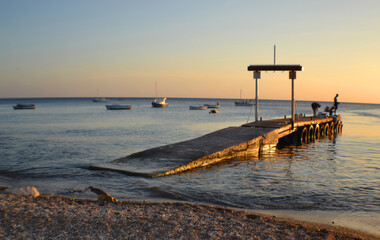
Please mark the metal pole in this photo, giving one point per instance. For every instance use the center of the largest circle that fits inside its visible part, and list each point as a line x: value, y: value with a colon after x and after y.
x: 292, y: 75
x: 257, y: 101
x: 293, y: 103
x: 257, y: 76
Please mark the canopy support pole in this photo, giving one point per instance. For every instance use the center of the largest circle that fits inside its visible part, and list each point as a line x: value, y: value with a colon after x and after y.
x: 292, y: 76
x: 257, y: 76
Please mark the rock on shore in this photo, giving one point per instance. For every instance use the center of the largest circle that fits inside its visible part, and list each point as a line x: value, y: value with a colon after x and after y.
x: 55, y: 217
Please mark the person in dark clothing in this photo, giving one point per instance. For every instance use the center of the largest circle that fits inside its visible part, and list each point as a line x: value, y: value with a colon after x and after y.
x: 329, y: 110
x: 336, y: 103
x: 315, y: 107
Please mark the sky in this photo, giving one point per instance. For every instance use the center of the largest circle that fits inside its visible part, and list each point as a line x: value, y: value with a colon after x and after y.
x: 192, y: 49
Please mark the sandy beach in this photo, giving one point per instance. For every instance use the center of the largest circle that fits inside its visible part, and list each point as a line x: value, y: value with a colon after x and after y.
x: 56, y: 217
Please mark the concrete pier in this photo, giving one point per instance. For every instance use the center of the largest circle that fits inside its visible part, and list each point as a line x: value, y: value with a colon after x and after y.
x: 245, y: 141
x: 248, y: 140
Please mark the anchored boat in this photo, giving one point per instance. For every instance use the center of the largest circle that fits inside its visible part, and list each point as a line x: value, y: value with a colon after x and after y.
x: 160, y: 102
x: 247, y: 102
x: 99, y: 100
x: 118, y: 107
x: 197, y: 107
x: 212, y: 106
x: 24, y: 106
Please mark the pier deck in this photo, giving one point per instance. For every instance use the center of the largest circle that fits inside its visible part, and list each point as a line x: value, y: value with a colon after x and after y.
x: 247, y: 140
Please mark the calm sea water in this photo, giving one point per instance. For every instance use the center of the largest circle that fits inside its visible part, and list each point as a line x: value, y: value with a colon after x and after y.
x: 335, y: 179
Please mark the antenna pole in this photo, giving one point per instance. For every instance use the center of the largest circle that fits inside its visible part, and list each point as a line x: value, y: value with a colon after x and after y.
x: 274, y: 54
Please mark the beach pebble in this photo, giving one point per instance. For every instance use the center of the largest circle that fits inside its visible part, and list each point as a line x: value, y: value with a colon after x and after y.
x: 56, y: 217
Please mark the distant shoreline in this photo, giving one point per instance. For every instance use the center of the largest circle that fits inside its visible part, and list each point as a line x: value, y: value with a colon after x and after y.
x: 66, y: 218
x: 200, y: 98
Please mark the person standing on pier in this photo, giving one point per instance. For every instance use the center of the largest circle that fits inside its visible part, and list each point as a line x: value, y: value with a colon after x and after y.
x: 315, y: 107
x: 336, y: 103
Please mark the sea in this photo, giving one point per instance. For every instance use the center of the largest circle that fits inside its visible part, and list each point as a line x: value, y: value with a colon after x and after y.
x: 335, y: 180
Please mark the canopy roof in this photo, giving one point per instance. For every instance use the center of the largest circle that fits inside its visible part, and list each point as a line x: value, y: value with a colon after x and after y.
x: 274, y: 68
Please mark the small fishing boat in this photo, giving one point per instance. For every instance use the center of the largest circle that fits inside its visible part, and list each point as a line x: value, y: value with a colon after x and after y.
x: 197, y: 107
x: 118, y: 107
x: 160, y: 102
x: 247, y: 102
x: 24, y: 106
x: 212, y: 106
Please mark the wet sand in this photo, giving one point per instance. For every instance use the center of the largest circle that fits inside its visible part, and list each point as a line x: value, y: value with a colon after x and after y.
x: 56, y: 217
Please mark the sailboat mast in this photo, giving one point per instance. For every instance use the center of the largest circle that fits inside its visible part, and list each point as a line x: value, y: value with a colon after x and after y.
x: 156, y: 89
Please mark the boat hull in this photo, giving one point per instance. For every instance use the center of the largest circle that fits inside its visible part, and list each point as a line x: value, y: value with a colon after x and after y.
x: 247, y: 103
x: 99, y: 100
x: 160, y: 105
x: 118, y: 107
x: 244, y: 104
x: 24, y: 106
x: 212, y: 106
x: 197, y: 107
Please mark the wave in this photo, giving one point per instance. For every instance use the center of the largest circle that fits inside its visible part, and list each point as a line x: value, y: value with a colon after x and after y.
x: 366, y: 114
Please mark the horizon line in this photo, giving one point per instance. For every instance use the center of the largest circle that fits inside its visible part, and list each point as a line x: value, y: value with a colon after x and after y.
x: 10, y: 98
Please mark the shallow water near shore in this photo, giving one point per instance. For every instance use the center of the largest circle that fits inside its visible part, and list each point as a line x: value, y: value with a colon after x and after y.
x: 52, y: 146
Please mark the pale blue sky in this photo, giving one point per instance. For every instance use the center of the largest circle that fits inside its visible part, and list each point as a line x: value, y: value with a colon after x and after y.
x: 192, y: 48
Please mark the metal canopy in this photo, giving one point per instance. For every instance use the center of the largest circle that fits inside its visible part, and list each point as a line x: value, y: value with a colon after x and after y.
x: 257, y: 75
x: 274, y: 68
